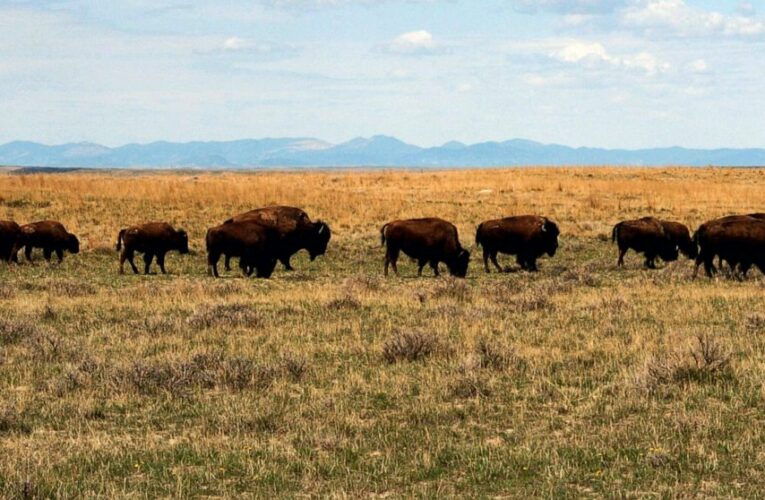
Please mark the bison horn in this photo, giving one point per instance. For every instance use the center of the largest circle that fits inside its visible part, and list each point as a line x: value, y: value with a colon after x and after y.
x: 321, y: 228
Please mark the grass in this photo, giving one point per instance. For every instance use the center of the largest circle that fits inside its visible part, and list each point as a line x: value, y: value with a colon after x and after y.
x: 580, y: 380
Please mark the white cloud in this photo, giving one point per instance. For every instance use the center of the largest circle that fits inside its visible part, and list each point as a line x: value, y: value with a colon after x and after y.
x: 594, y: 54
x: 579, y: 51
x: 569, y: 6
x: 675, y: 17
x: 464, y: 87
x: 414, y: 42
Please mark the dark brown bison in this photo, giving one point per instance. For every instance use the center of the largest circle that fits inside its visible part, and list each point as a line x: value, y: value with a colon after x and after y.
x: 294, y: 231
x: 10, y: 234
x: 740, y: 241
x: 700, y: 235
x: 681, y: 237
x: 152, y: 239
x: 428, y: 241
x: 251, y: 241
x: 646, y: 235
x: 528, y: 237
x: 49, y: 235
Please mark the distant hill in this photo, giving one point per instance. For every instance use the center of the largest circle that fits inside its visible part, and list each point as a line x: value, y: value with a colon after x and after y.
x: 377, y: 151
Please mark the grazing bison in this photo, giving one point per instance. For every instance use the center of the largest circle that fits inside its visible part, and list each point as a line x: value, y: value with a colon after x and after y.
x: 646, y: 235
x: 739, y: 241
x: 49, y: 235
x: 700, y: 236
x: 681, y: 237
x: 251, y: 241
x: 526, y: 236
x: 154, y: 238
x: 294, y: 231
x: 10, y: 234
x: 428, y: 240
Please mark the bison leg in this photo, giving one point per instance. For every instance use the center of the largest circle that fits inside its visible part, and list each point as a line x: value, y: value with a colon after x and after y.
x: 494, y: 261
x: 28, y: 252
x: 228, y: 262
x: 161, y: 262
x: 531, y: 264
x: 622, y: 253
x: 130, y: 257
x: 485, y: 259
x: 60, y: 255
x: 391, y: 257
x: 212, y: 263
x: 285, y: 260
x: 420, y: 264
x: 47, y: 253
x: 147, y: 258
x: 434, y: 266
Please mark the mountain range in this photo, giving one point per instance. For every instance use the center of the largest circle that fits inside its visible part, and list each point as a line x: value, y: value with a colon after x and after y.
x: 377, y: 151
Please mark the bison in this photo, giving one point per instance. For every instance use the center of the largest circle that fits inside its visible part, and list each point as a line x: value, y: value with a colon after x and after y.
x: 737, y: 240
x: 154, y: 238
x: 429, y: 240
x: 646, y: 235
x: 700, y: 236
x: 294, y: 229
x: 251, y: 241
x: 526, y: 236
x: 681, y: 237
x: 10, y: 234
x: 49, y: 235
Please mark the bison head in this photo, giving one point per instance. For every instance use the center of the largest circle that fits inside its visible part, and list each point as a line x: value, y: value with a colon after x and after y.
x: 319, y: 239
x: 688, y: 247
x: 669, y: 251
x: 73, y: 244
x: 551, y: 232
x: 459, y: 266
x: 182, y: 241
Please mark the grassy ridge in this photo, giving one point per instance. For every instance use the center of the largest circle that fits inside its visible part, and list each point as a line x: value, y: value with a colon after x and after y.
x: 579, y: 380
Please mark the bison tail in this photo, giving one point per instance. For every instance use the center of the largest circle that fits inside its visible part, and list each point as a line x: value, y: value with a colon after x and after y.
x: 615, y: 232
x: 382, y: 234
x: 478, y: 235
x: 120, y: 236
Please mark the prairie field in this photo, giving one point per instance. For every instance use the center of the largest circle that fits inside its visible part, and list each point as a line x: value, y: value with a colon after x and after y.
x: 331, y: 380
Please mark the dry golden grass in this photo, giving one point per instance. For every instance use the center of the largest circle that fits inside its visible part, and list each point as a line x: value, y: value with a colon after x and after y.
x: 579, y: 380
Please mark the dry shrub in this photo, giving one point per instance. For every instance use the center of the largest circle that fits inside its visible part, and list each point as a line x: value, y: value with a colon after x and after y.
x: 295, y: 367
x: 203, y: 371
x: 531, y: 300
x: 6, y: 292
x: 228, y: 315
x: 153, y: 325
x: 755, y: 323
x: 14, y: 330
x: 580, y: 275
x: 452, y: 288
x: 347, y: 302
x: 705, y: 361
x: 13, y: 421
x: 68, y: 288
x: 470, y: 384
x: 498, y: 357
x: 361, y: 283
x: 225, y: 288
x: 412, y: 346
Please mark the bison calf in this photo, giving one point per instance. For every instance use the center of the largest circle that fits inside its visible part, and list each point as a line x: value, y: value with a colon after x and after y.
x: 152, y: 239
x: 249, y: 240
x: 293, y: 229
x: 646, y: 235
x: 49, y: 235
x: 428, y: 241
x: 10, y: 234
x: 526, y: 236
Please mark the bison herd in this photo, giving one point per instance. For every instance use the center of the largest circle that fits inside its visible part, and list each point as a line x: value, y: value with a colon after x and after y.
x: 262, y: 237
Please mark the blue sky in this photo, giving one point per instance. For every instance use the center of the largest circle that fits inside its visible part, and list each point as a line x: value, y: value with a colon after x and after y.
x: 608, y: 73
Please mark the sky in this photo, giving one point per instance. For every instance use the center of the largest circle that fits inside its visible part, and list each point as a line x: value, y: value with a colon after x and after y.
x: 601, y: 73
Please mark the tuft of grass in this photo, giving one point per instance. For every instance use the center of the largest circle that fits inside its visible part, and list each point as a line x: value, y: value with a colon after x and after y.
x: 409, y: 346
